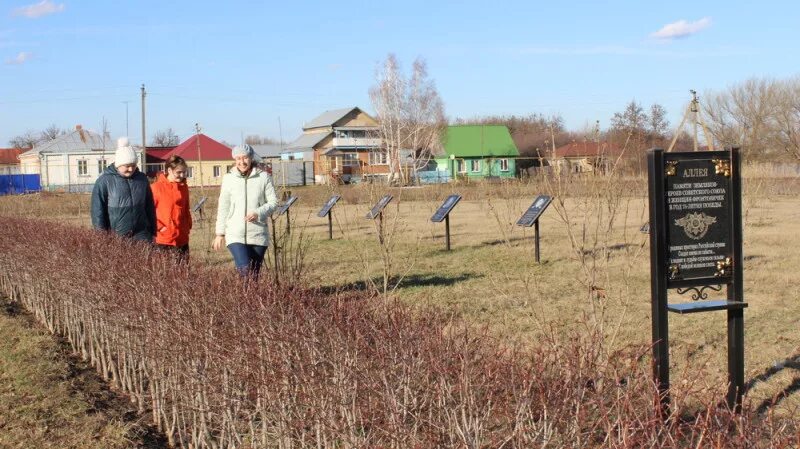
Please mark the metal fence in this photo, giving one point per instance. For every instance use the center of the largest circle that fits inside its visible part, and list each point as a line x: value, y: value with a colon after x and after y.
x: 292, y: 173
x: 19, y: 184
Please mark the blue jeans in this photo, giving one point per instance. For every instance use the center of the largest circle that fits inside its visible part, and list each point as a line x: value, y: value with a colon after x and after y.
x: 248, y: 258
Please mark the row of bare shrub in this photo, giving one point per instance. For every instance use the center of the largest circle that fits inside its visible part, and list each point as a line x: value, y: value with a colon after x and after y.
x: 220, y: 364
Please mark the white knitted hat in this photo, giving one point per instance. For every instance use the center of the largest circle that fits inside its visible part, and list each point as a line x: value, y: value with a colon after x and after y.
x: 124, y: 154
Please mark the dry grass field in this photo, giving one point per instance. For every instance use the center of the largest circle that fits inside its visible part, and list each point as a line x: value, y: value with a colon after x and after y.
x: 593, y: 276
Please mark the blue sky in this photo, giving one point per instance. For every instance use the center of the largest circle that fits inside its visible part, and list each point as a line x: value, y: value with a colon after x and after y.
x: 236, y: 67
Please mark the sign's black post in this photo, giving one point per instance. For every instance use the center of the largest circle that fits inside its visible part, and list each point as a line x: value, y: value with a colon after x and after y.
x: 447, y: 230
x: 536, y: 237
x: 330, y: 225
x: 658, y: 276
x: 736, y: 293
x: 696, y: 245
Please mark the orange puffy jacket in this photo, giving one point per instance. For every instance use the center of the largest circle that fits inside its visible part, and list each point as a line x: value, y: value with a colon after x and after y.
x: 173, y: 217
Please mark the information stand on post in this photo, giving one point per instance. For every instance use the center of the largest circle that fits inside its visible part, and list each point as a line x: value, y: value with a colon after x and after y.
x: 327, y: 209
x: 531, y: 218
x: 695, y: 246
x: 377, y: 212
x: 443, y: 213
x: 284, y: 209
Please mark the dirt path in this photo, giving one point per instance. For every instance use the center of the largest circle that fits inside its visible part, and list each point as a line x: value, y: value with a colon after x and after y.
x: 51, y: 399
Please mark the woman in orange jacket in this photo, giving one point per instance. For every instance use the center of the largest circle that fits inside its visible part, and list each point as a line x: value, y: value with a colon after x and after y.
x: 173, y: 217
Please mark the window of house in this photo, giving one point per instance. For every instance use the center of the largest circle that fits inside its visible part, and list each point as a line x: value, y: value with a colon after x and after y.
x: 503, y: 164
x: 83, y: 168
x: 349, y: 159
x: 228, y: 168
x: 190, y: 172
x: 101, y: 166
x: 462, y: 166
x: 217, y: 171
x: 378, y: 158
x: 475, y: 165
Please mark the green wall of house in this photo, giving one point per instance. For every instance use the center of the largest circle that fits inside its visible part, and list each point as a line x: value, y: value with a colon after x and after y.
x: 487, y: 167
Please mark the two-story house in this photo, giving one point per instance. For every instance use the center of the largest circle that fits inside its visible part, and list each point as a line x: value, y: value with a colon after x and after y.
x: 345, y: 145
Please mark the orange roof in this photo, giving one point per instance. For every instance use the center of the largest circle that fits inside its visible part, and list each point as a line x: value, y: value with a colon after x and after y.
x: 210, y: 149
x: 9, y: 155
x: 587, y: 149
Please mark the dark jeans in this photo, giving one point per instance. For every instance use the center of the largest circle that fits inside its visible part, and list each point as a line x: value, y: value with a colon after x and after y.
x: 248, y: 258
x: 181, y: 253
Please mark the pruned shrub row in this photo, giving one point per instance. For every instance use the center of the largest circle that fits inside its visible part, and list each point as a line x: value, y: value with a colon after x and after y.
x: 221, y: 364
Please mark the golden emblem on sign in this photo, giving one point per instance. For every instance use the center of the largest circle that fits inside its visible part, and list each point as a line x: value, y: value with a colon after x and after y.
x: 722, y: 167
x: 723, y: 267
x: 671, y: 168
x: 696, y: 224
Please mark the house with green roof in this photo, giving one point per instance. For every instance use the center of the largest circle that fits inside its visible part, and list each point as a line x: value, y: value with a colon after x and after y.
x: 478, y: 152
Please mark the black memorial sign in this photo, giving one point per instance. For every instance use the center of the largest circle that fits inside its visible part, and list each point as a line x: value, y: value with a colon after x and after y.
x: 377, y: 209
x: 285, y: 206
x: 445, y: 208
x: 328, y: 206
x: 532, y: 214
x: 698, y: 217
x: 695, y: 227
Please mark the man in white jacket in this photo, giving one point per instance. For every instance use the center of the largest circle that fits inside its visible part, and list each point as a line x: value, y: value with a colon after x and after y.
x: 246, y: 200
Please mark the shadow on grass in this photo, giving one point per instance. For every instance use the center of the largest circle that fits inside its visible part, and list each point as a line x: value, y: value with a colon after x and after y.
x: 414, y: 280
x: 792, y: 362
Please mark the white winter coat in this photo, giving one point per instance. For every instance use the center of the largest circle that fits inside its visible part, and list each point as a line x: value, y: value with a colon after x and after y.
x: 238, y: 197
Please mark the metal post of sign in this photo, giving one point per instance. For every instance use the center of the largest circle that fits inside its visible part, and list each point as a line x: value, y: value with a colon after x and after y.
x: 380, y: 227
x: 536, y: 238
x: 288, y: 222
x: 330, y: 225
x: 447, y: 230
x: 736, y: 293
x: 658, y: 276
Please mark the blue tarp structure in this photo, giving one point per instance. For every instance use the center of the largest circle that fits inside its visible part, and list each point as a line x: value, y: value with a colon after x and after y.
x: 17, y: 184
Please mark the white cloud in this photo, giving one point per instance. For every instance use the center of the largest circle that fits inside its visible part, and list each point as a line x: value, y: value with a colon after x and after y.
x: 20, y: 59
x: 681, y: 29
x: 36, y: 10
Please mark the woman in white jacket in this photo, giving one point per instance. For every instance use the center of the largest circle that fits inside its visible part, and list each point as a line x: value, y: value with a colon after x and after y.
x: 246, y: 200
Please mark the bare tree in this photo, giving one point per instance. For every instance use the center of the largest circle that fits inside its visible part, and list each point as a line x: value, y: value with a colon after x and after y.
x: 657, y: 122
x: 165, y: 138
x: 256, y: 139
x: 410, y: 116
x: 25, y: 140
x: 761, y: 115
x: 52, y: 132
x: 632, y: 120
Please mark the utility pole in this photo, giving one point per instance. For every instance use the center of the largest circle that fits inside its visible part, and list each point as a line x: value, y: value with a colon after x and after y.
x: 127, y: 129
x: 694, y: 108
x: 199, y: 157
x: 144, y: 134
x: 694, y: 111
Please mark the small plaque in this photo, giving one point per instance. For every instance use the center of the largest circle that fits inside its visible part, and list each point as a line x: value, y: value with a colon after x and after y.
x: 199, y: 204
x: 535, y: 211
x: 645, y: 229
x: 285, y: 206
x: 379, y: 206
x: 326, y: 208
x: 697, y: 198
x: 445, y: 208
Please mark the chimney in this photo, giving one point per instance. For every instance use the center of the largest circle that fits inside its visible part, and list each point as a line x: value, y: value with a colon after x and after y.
x: 78, y: 127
